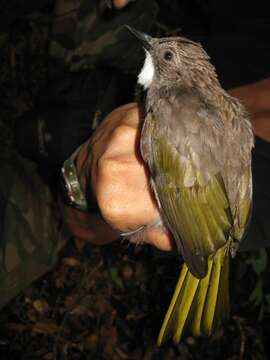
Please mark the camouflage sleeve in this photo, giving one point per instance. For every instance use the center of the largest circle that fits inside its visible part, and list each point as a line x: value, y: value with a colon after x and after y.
x: 31, y: 232
x: 83, y: 37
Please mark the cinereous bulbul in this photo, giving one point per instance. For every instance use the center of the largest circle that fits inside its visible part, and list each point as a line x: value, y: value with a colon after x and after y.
x: 196, y: 141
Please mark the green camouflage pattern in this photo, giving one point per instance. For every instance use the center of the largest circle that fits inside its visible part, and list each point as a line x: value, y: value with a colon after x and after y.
x: 31, y: 229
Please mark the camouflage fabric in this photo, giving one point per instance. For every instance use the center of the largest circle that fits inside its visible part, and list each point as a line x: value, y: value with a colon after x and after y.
x: 31, y: 230
x: 82, y: 37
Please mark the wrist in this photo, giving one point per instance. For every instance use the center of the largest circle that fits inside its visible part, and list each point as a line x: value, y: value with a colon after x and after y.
x: 74, y: 182
x: 82, y: 163
x: 84, y: 168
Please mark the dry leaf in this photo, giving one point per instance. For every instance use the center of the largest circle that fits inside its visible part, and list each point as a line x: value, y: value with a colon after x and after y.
x: 19, y: 328
x: 45, y: 328
x: 70, y: 301
x: 41, y: 306
x: 71, y: 262
x: 127, y: 272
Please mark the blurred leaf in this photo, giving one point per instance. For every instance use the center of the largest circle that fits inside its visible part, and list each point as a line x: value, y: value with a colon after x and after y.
x: 116, y: 278
x: 127, y: 272
x: 45, y: 328
x: 256, y: 297
x: 17, y: 327
x: 71, y: 262
x: 70, y: 301
x: 41, y: 306
x: 258, y: 261
x: 123, y: 326
x: 267, y: 298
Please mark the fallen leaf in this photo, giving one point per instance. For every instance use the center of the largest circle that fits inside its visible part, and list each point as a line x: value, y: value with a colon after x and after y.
x: 45, y: 328
x: 71, y: 262
x: 70, y: 301
x: 41, y: 306
x: 19, y: 328
x: 127, y: 272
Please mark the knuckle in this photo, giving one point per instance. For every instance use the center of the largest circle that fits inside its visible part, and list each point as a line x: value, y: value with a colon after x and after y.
x: 107, y: 167
x: 118, y: 167
x: 113, y: 212
x: 124, y: 133
x: 111, y: 188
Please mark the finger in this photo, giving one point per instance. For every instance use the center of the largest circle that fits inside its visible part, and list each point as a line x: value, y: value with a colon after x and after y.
x: 88, y: 227
x: 128, y: 114
x: 119, y: 4
x: 124, y: 145
x: 159, y: 238
x: 124, y: 197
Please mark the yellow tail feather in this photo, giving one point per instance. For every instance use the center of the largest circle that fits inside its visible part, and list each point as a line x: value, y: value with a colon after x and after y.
x: 199, y: 305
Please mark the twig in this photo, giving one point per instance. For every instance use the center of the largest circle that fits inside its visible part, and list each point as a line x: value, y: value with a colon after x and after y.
x: 239, y: 322
x: 12, y: 57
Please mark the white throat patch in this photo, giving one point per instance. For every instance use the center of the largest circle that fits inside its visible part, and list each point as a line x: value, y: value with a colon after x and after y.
x: 147, y: 73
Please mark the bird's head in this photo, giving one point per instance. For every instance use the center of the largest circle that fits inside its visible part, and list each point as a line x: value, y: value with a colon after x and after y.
x: 173, y: 59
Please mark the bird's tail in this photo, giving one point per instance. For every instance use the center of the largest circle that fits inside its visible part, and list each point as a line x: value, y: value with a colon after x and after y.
x: 199, y: 305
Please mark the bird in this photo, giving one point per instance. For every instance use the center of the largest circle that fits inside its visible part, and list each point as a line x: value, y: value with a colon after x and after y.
x: 196, y: 141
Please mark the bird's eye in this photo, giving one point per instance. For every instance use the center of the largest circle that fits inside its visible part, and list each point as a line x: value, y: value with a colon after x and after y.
x: 168, y: 55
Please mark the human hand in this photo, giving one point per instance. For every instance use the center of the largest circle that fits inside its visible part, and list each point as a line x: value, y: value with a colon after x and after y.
x: 119, y: 4
x: 111, y: 164
x: 255, y: 98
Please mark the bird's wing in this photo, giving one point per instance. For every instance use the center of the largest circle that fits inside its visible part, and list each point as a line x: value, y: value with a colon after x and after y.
x: 186, y: 159
x: 198, y: 216
x: 243, y: 206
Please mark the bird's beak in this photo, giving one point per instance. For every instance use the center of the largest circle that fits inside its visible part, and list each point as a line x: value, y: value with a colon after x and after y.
x: 144, y: 39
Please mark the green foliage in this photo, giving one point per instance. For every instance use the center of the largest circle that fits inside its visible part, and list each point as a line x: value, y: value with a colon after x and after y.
x: 258, y: 261
x: 259, y: 297
x: 116, y: 277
